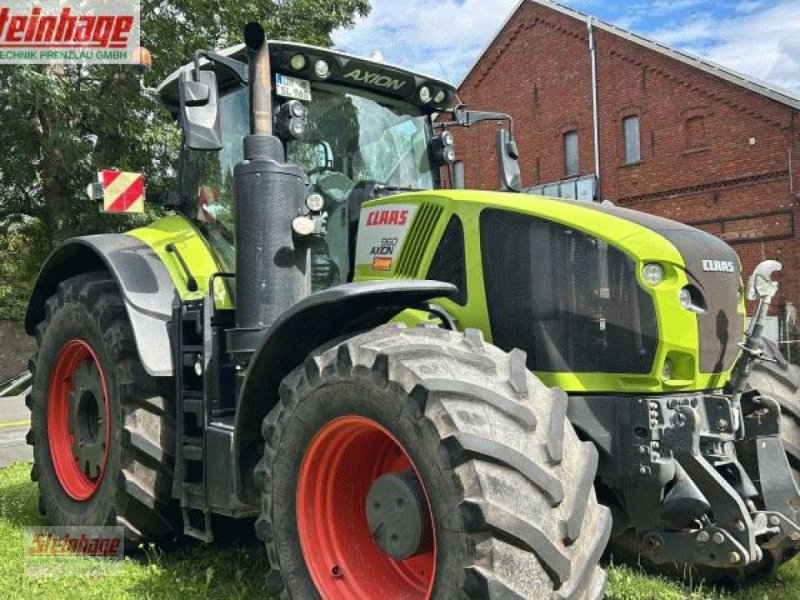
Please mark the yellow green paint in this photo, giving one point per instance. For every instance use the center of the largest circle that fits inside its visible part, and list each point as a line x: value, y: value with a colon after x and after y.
x: 195, y: 251
x: 677, y: 327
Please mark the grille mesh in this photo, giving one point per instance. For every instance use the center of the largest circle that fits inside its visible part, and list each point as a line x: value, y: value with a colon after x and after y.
x: 418, y: 239
x: 570, y: 301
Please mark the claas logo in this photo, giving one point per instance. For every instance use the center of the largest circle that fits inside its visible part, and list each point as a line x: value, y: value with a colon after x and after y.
x: 387, y: 217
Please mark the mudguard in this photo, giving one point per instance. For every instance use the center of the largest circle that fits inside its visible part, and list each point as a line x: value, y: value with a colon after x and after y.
x: 143, y: 281
x: 320, y: 318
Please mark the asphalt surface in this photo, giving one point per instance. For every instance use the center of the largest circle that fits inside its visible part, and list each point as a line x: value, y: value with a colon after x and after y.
x: 14, y: 424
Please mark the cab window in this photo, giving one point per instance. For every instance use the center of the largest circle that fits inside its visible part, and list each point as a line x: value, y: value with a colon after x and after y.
x: 207, y: 177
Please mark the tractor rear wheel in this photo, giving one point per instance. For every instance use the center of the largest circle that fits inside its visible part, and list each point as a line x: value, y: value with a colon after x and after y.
x: 102, y: 429
x: 426, y: 464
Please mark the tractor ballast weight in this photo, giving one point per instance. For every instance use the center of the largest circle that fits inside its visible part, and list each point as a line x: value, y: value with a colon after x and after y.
x: 264, y: 360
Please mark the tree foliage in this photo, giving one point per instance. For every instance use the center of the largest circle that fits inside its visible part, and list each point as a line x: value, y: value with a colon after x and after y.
x: 61, y: 123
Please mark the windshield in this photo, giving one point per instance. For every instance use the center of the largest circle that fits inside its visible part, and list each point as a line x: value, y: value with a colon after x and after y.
x: 357, y: 146
x: 356, y: 139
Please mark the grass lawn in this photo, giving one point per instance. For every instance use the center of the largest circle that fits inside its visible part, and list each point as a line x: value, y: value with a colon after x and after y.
x: 236, y: 570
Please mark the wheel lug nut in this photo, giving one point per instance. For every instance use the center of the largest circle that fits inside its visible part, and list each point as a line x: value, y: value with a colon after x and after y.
x: 734, y: 558
x: 702, y: 537
x: 719, y: 538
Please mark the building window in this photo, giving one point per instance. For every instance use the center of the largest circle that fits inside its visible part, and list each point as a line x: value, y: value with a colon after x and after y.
x: 633, y: 147
x: 571, y: 163
x: 696, y: 133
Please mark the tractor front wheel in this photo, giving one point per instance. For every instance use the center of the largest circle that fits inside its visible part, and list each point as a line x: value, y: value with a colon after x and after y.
x: 426, y: 464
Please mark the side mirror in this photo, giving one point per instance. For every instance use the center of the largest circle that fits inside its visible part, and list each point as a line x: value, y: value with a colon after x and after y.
x: 200, y: 110
x: 507, y: 162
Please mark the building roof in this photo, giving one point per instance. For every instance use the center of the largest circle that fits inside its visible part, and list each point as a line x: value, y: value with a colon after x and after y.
x: 753, y: 84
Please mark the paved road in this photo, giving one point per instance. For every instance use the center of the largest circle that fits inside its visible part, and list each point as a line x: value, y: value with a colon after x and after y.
x: 14, y: 424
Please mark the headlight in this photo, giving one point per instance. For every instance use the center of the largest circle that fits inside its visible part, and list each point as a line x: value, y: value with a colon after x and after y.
x: 685, y: 297
x: 299, y: 109
x: 692, y: 299
x: 653, y: 274
x: 303, y: 226
x: 322, y: 69
x: 425, y: 94
x: 666, y: 371
x: 440, y: 97
x: 298, y: 128
x: 315, y: 202
x: 298, y: 62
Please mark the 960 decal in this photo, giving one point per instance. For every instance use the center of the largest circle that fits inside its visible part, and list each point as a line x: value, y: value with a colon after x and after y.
x: 381, y: 236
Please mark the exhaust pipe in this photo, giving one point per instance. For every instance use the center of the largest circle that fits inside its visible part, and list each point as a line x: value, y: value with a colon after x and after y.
x: 271, y: 272
x: 260, y: 79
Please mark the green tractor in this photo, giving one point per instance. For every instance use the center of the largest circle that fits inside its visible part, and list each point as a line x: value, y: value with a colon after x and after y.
x: 417, y: 391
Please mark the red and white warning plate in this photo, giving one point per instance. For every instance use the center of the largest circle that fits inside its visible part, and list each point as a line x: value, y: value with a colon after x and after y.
x: 121, y: 192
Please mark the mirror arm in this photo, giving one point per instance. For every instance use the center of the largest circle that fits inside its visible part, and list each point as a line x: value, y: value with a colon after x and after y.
x: 238, y: 68
x: 468, y: 118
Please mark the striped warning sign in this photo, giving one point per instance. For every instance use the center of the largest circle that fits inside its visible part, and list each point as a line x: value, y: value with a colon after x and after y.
x: 122, y: 192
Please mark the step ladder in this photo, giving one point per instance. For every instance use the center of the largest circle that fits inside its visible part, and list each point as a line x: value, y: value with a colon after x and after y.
x: 190, y: 483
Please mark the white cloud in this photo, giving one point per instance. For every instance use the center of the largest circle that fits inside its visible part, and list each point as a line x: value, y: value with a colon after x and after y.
x: 442, y: 39
x: 764, y: 43
x: 757, y: 37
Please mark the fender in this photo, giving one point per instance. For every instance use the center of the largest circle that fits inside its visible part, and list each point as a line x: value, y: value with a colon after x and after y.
x: 320, y: 318
x: 143, y: 281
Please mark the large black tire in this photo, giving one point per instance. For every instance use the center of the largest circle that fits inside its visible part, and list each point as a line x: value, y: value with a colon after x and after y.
x: 510, y: 486
x: 134, y: 489
x: 781, y: 380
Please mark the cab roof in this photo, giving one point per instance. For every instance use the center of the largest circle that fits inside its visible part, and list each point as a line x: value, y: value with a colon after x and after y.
x: 376, y: 77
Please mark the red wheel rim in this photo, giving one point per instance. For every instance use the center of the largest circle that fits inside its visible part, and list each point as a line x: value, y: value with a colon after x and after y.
x: 340, y: 465
x: 78, y: 420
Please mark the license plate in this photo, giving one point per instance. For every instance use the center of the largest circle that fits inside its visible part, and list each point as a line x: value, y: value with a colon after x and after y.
x: 291, y: 87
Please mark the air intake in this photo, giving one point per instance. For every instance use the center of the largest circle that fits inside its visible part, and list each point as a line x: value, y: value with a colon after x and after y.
x: 418, y: 240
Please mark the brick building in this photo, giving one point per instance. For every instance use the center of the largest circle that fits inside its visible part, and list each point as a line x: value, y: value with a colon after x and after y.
x: 678, y: 136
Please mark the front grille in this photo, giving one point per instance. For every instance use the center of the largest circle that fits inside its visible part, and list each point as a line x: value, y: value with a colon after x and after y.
x: 570, y: 300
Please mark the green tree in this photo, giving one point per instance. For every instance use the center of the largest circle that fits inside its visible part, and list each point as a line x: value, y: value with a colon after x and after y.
x: 59, y: 124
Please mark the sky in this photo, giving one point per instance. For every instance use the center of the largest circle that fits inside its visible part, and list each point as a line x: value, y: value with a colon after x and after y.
x: 444, y: 38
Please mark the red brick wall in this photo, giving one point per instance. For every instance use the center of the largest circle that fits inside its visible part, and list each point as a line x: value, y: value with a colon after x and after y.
x: 538, y: 70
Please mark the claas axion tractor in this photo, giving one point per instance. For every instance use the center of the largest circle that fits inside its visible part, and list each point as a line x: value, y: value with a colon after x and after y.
x: 416, y: 390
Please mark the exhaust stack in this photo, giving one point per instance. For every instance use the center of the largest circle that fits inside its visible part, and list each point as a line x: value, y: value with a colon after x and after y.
x: 269, y: 193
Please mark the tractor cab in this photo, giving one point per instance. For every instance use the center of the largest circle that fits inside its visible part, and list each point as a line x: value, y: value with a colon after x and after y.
x: 358, y: 130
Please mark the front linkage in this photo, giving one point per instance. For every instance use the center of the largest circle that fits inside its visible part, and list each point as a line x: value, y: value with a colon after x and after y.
x: 727, y: 502
x: 699, y: 479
